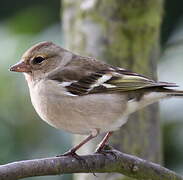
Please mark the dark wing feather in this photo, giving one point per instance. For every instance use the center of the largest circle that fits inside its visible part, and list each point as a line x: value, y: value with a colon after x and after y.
x: 92, y: 76
x: 110, y: 81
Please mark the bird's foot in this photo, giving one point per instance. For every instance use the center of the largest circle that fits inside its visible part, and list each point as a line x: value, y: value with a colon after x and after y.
x: 71, y: 154
x: 106, y: 149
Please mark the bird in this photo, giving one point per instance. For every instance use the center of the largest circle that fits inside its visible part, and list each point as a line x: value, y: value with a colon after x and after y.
x: 83, y: 95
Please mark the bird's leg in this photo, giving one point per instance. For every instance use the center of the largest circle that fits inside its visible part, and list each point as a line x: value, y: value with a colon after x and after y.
x: 103, y: 142
x: 73, y: 150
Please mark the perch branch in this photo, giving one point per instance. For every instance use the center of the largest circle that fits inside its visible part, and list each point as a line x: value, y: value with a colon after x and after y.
x: 112, y: 162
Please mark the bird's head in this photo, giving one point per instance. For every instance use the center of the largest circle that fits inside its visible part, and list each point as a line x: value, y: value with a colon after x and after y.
x: 41, y: 59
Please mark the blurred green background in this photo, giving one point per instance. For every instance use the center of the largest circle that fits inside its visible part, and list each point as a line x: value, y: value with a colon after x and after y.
x: 22, y: 134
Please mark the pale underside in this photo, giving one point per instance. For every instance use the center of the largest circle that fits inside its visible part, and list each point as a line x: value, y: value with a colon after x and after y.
x: 84, y: 114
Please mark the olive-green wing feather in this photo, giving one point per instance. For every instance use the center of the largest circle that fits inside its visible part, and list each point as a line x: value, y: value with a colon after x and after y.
x: 113, y: 80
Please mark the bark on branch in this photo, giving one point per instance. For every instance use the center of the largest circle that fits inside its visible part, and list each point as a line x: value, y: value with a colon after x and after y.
x: 114, y: 161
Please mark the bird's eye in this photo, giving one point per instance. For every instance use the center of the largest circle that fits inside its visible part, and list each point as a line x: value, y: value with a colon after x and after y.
x: 38, y: 60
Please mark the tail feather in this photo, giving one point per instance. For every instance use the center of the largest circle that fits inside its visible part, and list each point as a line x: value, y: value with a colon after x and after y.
x: 166, y: 84
x: 173, y: 92
x: 153, y: 94
x: 166, y: 88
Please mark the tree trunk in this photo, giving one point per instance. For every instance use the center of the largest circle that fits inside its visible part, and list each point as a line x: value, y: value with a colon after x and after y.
x: 123, y: 33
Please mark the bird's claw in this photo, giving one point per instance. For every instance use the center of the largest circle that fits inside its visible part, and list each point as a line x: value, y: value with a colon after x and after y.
x: 106, y: 147
x: 106, y: 150
x: 72, y: 154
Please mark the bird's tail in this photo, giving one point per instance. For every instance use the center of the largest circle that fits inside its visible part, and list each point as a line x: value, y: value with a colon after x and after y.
x: 153, y: 94
x: 167, y: 89
x: 173, y: 92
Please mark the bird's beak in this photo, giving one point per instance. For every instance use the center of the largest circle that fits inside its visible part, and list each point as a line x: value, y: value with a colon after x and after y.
x: 21, y: 67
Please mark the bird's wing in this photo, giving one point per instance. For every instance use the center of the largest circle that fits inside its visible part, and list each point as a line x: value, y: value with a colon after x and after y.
x: 110, y: 82
x: 92, y: 76
x: 108, y: 79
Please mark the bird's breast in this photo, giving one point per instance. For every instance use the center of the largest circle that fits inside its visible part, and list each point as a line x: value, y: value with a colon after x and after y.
x: 78, y: 114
